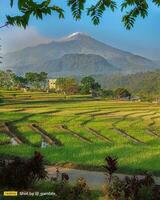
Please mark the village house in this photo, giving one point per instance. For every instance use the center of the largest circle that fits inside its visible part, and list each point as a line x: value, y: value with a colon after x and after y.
x: 135, y: 99
x: 52, y: 83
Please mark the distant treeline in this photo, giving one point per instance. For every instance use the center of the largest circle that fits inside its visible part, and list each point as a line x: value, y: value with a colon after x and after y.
x: 143, y: 84
x: 140, y: 83
x: 9, y: 80
x: 65, y: 85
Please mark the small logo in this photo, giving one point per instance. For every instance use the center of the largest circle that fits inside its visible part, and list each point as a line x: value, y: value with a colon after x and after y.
x: 10, y: 193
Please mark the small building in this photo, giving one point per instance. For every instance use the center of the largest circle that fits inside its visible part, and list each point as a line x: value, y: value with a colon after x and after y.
x: 52, y: 83
x: 136, y: 98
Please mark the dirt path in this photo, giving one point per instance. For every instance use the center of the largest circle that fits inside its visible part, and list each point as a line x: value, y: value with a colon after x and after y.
x: 98, y: 135
x: 95, y: 180
x: 123, y: 133
x: 45, y: 135
x: 82, y: 138
x: 9, y: 131
x: 151, y: 132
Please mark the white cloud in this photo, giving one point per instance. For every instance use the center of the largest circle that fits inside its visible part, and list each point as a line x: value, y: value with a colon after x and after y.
x: 14, y: 38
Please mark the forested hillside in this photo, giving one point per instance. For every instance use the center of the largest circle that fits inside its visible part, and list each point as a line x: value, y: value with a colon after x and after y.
x: 147, y: 83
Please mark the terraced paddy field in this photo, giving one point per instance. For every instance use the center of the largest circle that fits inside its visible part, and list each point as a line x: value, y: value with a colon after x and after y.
x: 81, y: 131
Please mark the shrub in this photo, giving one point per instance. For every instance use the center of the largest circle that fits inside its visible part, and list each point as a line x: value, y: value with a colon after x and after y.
x: 80, y: 191
x: 110, y: 167
x: 131, y: 188
x: 106, y: 93
x: 21, y: 173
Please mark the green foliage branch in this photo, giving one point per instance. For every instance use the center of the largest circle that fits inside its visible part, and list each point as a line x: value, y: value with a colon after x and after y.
x: 131, y: 9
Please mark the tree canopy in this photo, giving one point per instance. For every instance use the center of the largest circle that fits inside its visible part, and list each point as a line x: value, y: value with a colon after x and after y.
x: 9, y: 80
x: 36, y: 80
x: 67, y: 85
x: 89, y: 85
x: 131, y: 9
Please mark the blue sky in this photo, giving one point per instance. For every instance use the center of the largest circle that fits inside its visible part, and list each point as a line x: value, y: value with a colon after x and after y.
x: 143, y: 39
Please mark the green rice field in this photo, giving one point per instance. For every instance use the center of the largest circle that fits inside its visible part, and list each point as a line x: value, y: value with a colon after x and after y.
x: 83, y: 130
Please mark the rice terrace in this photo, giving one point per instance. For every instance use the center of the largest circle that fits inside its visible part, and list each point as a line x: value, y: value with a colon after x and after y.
x: 80, y: 131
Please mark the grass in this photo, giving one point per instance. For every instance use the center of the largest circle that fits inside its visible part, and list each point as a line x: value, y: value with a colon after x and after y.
x: 78, y: 113
x: 33, y: 137
x: 4, y: 138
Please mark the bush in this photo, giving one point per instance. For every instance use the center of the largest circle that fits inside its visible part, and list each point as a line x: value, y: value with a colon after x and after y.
x: 131, y: 188
x: 65, y: 191
x: 107, y: 93
x: 22, y: 174
x: 110, y: 167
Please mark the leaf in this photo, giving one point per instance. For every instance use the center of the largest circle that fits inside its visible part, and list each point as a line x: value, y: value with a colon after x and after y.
x: 96, y: 11
x: 140, y: 8
x: 21, y: 3
x: 133, y: 8
x: 77, y: 6
x: 11, y: 3
x: 59, y: 10
x: 128, y: 21
x: 46, y: 3
x: 157, y: 2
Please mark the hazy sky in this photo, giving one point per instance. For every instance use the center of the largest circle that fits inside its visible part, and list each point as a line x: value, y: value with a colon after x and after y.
x: 144, y: 39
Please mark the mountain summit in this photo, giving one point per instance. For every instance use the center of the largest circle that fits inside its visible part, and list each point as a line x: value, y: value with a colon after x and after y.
x: 74, y: 36
x: 86, y: 56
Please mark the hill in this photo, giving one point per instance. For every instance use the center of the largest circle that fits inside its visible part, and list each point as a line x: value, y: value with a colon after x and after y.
x: 148, y: 82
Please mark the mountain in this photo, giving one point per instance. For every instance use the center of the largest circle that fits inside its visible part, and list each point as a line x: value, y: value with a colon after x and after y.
x: 73, y: 65
x: 157, y: 62
x: 143, y: 82
x: 52, y: 58
x: 81, y: 64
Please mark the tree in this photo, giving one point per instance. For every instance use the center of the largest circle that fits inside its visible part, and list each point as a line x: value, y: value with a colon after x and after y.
x: 43, y: 79
x: 7, y: 79
x: 122, y: 93
x: 89, y: 86
x: 60, y: 84
x: 32, y: 79
x: 20, y: 82
x: 71, y: 86
x: 67, y: 85
x: 131, y: 8
x: 36, y: 80
x: 107, y: 93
